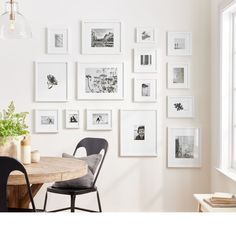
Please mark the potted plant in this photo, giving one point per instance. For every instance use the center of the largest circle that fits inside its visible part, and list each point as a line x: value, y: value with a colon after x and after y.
x: 12, y: 129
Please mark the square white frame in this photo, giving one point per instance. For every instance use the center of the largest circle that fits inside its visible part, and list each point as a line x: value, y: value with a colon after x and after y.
x: 139, y: 37
x: 37, y: 93
x: 73, y: 125
x: 136, y: 148
x: 39, y: 128
x: 173, y: 50
x: 187, y: 104
x: 186, y: 68
x: 81, y: 83
x: 51, y: 48
x: 91, y: 126
x: 86, y: 37
x: 137, y: 90
x: 138, y: 68
x: 174, y: 162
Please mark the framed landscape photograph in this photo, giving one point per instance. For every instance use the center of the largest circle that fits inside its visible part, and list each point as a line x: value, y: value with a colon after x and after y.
x: 99, y: 119
x: 184, y: 147
x: 57, y: 41
x: 100, y: 81
x: 46, y: 121
x: 180, y: 107
x: 179, y: 44
x: 51, y: 81
x: 145, y: 90
x: 178, y: 75
x: 145, y: 60
x: 138, y: 133
x: 145, y: 35
x: 72, y: 120
x: 102, y: 37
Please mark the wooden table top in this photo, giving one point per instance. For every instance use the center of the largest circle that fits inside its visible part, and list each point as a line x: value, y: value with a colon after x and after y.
x: 50, y: 169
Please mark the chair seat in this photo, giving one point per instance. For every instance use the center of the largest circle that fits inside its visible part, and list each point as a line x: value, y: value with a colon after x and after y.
x: 74, y: 191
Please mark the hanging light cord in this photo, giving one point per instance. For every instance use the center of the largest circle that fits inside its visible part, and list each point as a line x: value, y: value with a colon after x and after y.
x: 12, y: 15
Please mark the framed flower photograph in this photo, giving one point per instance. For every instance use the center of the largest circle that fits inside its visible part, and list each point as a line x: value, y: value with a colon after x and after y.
x: 184, y: 147
x: 72, y: 119
x: 100, y: 81
x: 178, y: 75
x: 46, y: 121
x: 145, y: 60
x: 145, y: 90
x: 145, y: 35
x: 138, y: 133
x: 179, y: 44
x: 180, y: 107
x: 57, y: 41
x: 99, y: 119
x: 51, y: 81
x: 102, y: 37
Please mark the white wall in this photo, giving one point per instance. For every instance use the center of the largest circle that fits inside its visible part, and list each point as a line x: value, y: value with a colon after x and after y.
x: 126, y: 184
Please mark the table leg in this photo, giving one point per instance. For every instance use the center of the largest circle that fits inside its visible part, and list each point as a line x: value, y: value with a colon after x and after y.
x: 199, y: 207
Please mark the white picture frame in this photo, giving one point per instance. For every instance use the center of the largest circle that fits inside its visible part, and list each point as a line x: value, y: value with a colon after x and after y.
x: 46, y: 121
x: 138, y: 133
x: 51, y: 81
x: 179, y: 44
x: 178, y: 75
x: 99, y: 119
x: 184, y: 148
x: 145, y: 60
x: 100, y: 81
x: 145, y: 35
x: 57, y: 40
x: 72, y: 119
x: 145, y: 90
x: 102, y: 37
x: 180, y: 107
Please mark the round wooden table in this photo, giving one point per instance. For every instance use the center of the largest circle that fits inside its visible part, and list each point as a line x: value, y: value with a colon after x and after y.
x: 48, y: 170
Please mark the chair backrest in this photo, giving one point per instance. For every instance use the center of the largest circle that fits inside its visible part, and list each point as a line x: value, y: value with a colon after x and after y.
x: 94, y: 146
x: 7, y: 165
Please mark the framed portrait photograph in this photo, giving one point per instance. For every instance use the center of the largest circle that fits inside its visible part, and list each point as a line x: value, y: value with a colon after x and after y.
x: 72, y: 119
x: 145, y: 60
x: 179, y: 44
x: 138, y: 133
x: 178, y: 75
x: 145, y: 90
x: 102, y: 37
x: 180, y: 107
x: 57, y: 41
x: 99, y: 119
x: 51, y: 81
x: 145, y: 35
x: 100, y: 81
x: 46, y: 121
x: 184, y: 147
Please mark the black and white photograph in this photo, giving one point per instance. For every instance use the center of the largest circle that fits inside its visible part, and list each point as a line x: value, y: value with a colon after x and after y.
x: 146, y: 90
x: 47, y: 120
x: 145, y: 35
x: 99, y: 119
x: 139, y: 132
x: 72, y: 119
x: 179, y: 44
x: 59, y: 40
x: 178, y: 75
x: 184, y: 147
x: 102, y: 37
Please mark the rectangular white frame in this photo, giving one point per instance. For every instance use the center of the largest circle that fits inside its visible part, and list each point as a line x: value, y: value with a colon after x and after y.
x: 72, y: 126
x: 139, y: 39
x: 174, y: 162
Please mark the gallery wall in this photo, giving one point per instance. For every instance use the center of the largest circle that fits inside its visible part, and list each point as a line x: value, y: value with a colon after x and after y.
x: 126, y: 184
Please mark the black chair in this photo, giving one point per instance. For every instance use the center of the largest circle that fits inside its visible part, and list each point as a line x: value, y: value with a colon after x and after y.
x: 7, y: 165
x: 92, y: 146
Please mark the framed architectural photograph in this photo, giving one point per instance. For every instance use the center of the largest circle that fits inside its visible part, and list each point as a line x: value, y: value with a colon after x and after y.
x: 179, y: 44
x: 102, y: 37
x: 72, y: 119
x: 46, y: 121
x: 145, y: 90
x: 184, y: 147
x: 180, y: 107
x: 145, y: 60
x: 138, y: 133
x: 145, y: 35
x: 99, y: 119
x: 57, y: 41
x: 100, y: 81
x: 51, y: 81
x: 178, y: 75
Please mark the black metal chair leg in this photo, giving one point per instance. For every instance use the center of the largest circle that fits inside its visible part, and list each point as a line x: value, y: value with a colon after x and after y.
x: 99, y: 203
x: 45, y: 201
x: 72, y: 203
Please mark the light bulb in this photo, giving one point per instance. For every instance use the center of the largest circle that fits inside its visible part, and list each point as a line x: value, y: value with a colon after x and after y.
x: 12, y: 24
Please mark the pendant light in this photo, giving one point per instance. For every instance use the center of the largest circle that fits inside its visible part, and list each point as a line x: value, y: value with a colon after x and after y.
x: 13, y: 24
